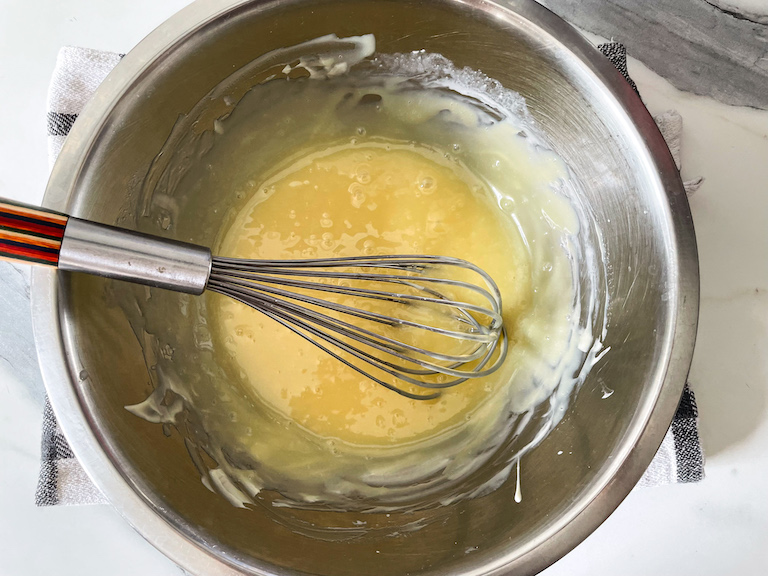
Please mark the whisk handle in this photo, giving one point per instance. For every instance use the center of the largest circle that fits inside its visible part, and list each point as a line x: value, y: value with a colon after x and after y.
x: 30, y: 234
x: 41, y: 236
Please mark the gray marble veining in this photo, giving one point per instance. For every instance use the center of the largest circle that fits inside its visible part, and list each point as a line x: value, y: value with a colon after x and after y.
x: 755, y: 10
x: 17, y: 346
x: 716, y: 48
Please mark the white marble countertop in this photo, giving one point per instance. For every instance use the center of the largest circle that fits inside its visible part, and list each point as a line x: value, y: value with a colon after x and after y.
x: 719, y: 526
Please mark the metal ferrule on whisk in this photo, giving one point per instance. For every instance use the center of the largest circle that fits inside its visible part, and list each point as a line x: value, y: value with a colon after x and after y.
x: 126, y: 255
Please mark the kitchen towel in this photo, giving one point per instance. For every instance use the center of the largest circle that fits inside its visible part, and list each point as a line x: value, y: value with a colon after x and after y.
x: 77, y: 74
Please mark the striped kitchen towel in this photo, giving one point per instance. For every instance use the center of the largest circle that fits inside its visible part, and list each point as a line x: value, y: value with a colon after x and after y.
x: 679, y: 458
x: 78, y: 73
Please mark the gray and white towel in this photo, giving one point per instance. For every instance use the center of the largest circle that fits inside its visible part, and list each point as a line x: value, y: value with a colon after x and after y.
x: 78, y: 73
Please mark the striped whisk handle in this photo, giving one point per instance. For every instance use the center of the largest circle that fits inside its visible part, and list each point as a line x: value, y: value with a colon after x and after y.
x: 30, y: 234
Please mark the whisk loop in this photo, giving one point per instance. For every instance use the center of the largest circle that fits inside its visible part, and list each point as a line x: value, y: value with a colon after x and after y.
x: 428, y: 321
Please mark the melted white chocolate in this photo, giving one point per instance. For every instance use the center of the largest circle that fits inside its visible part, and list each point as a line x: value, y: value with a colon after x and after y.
x: 408, y: 155
x: 363, y: 200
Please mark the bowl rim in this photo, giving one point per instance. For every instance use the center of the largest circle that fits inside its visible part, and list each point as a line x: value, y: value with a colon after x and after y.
x: 610, y: 487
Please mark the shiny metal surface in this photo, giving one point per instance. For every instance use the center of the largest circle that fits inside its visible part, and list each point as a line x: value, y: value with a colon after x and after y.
x: 112, y: 252
x: 592, y: 118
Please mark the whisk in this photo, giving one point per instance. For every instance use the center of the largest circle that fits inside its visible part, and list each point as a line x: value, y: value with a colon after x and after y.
x: 406, y: 322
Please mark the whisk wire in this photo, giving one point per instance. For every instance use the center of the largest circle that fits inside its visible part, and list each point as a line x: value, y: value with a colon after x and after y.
x: 401, y: 372
x: 378, y: 294
x: 482, y: 334
x: 281, y: 290
x: 374, y: 340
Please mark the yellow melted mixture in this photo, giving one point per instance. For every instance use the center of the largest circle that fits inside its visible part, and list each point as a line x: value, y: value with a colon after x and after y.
x: 402, y: 154
x: 363, y: 200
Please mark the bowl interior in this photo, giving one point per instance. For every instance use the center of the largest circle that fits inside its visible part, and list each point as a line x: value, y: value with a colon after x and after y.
x: 621, y: 184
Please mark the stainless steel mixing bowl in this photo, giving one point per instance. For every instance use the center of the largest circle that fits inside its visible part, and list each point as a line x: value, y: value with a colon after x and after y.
x: 93, y: 366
